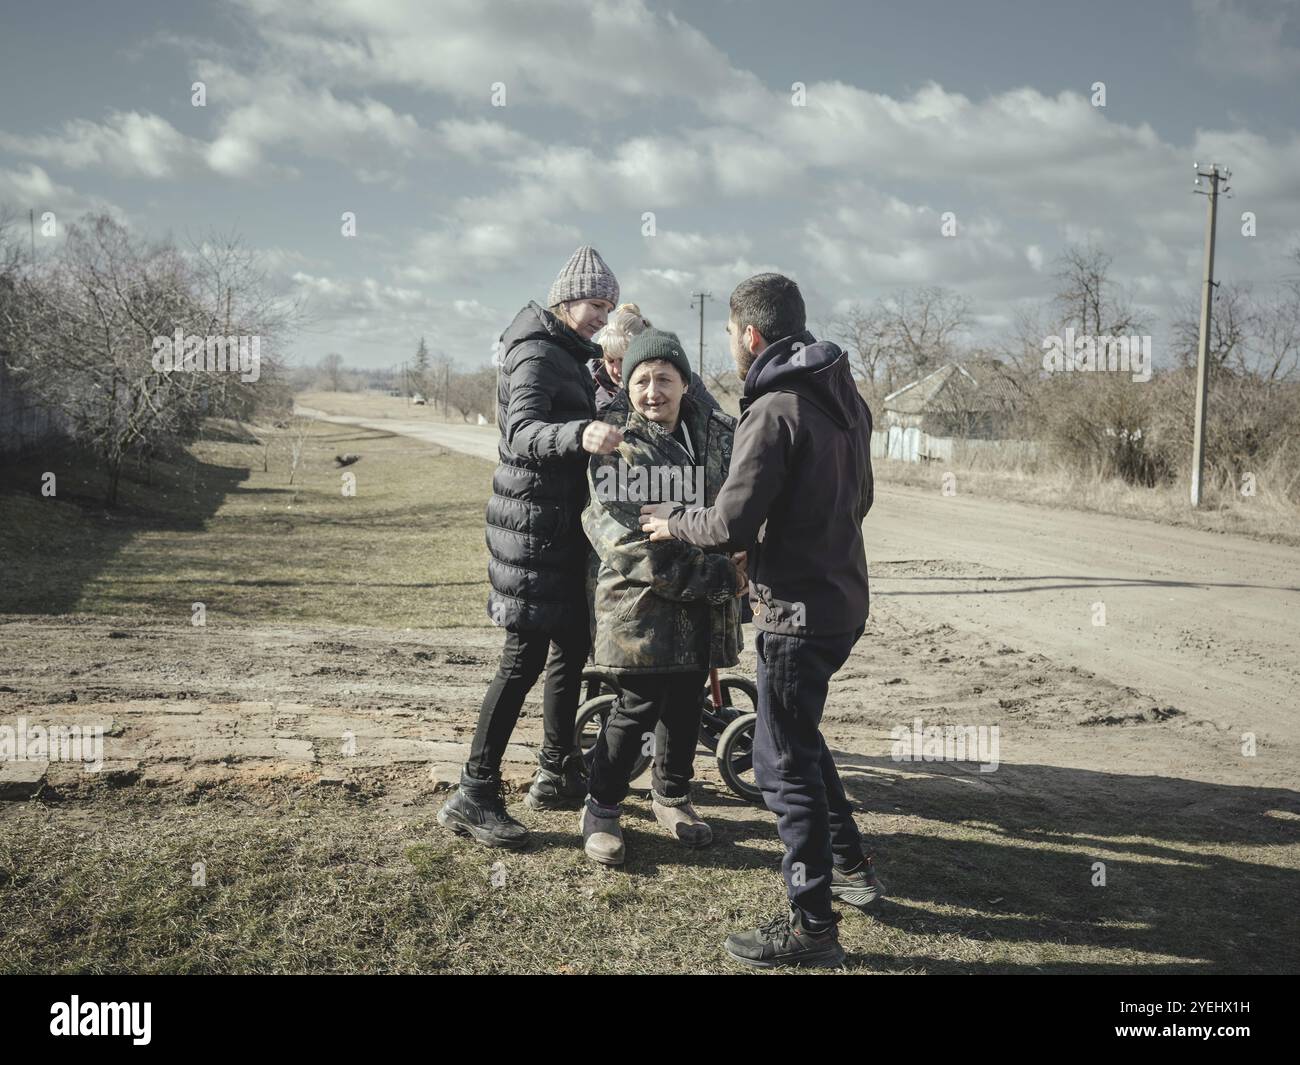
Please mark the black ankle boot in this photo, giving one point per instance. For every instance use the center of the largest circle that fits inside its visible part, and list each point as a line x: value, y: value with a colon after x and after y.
x: 478, y: 810
x: 559, y: 787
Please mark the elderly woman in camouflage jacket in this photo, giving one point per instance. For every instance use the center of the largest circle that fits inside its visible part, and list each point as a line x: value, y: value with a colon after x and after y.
x: 665, y: 612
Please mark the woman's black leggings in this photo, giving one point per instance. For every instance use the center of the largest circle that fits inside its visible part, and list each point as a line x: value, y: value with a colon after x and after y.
x: 522, y: 661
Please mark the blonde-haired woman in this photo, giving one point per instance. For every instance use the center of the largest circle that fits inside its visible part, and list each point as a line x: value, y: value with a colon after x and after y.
x: 624, y: 323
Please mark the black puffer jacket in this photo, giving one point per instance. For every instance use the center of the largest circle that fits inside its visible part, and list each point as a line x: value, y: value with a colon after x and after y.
x: 545, y: 399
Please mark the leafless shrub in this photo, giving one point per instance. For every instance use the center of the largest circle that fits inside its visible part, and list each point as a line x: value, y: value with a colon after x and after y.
x: 79, y: 334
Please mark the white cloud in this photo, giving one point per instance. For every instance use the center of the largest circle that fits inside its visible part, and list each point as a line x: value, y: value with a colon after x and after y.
x: 481, y: 139
x: 276, y: 111
x: 126, y: 143
x: 33, y: 189
x: 870, y: 239
x: 680, y: 248
x: 372, y: 322
x: 587, y: 57
x: 471, y: 252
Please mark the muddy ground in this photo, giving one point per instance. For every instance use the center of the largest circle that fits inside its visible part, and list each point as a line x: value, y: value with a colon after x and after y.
x: 253, y: 709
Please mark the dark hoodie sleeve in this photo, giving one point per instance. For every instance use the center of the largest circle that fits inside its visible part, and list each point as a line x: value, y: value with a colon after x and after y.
x: 760, y: 462
x: 528, y: 430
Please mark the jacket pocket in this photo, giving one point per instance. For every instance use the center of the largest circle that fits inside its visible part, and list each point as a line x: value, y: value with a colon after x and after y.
x: 628, y: 603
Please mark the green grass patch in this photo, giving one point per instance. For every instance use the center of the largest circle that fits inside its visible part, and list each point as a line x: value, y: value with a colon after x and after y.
x: 212, y: 526
x: 328, y: 885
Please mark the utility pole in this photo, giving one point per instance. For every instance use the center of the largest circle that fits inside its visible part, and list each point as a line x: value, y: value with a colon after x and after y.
x: 1215, y: 175
x: 31, y: 221
x: 701, y: 296
x: 446, y: 388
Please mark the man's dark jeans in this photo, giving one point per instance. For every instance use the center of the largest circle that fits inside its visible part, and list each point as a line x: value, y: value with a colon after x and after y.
x: 795, y: 769
x: 522, y: 660
x: 667, y: 705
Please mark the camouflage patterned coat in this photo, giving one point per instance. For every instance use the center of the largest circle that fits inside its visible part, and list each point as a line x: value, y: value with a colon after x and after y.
x: 661, y: 607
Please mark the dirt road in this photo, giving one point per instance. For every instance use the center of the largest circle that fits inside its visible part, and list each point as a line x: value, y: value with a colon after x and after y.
x: 477, y: 440
x: 1208, y: 624
x: 1204, y: 623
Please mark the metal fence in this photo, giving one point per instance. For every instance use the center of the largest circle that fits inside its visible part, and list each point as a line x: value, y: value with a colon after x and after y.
x: 912, y: 445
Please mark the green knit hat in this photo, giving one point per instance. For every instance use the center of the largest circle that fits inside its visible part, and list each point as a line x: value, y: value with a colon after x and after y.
x: 655, y: 344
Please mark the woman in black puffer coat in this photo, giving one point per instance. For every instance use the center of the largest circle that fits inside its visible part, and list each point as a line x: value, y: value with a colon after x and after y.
x: 546, y: 412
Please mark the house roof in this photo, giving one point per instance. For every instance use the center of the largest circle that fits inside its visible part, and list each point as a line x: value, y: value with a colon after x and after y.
x: 972, y: 386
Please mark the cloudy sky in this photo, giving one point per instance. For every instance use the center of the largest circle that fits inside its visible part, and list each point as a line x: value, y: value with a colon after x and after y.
x: 465, y: 210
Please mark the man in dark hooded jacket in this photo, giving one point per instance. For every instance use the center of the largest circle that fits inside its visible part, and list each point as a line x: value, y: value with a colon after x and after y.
x: 798, y: 490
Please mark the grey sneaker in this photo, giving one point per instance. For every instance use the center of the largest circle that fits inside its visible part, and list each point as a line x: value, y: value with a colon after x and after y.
x: 860, y: 888
x: 602, y: 836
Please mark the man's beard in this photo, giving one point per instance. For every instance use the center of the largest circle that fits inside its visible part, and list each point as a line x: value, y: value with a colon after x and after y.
x: 743, y: 358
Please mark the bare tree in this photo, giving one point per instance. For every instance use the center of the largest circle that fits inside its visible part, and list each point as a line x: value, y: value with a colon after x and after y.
x: 298, y: 432
x: 11, y: 245
x: 1277, y: 333
x: 232, y: 287
x: 1231, y: 324
x: 332, y: 367
x: 1252, y: 331
x: 863, y: 331
x: 903, y: 336
x: 924, y: 324
x: 83, y: 330
x: 437, y: 380
x: 473, y: 393
x: 81, y: 335
x: 1088, y: 299
x: 1100, y: 422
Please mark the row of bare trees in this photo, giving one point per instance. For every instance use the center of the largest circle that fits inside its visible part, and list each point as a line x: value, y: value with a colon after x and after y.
x: 465, y: 393
x: 903, y: 336
x: 1108, y: 423
x: 78, y: 333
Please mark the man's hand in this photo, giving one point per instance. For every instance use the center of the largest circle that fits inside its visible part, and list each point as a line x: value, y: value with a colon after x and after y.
x: 600, y: 438
x: 654, y: 520
x: 741, y: 561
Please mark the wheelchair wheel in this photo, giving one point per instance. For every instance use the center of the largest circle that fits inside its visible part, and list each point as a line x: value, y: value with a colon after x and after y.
x: 740, y: 693
x: 736, y: 757
x: 597, y: 682
x: 593, y: 716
